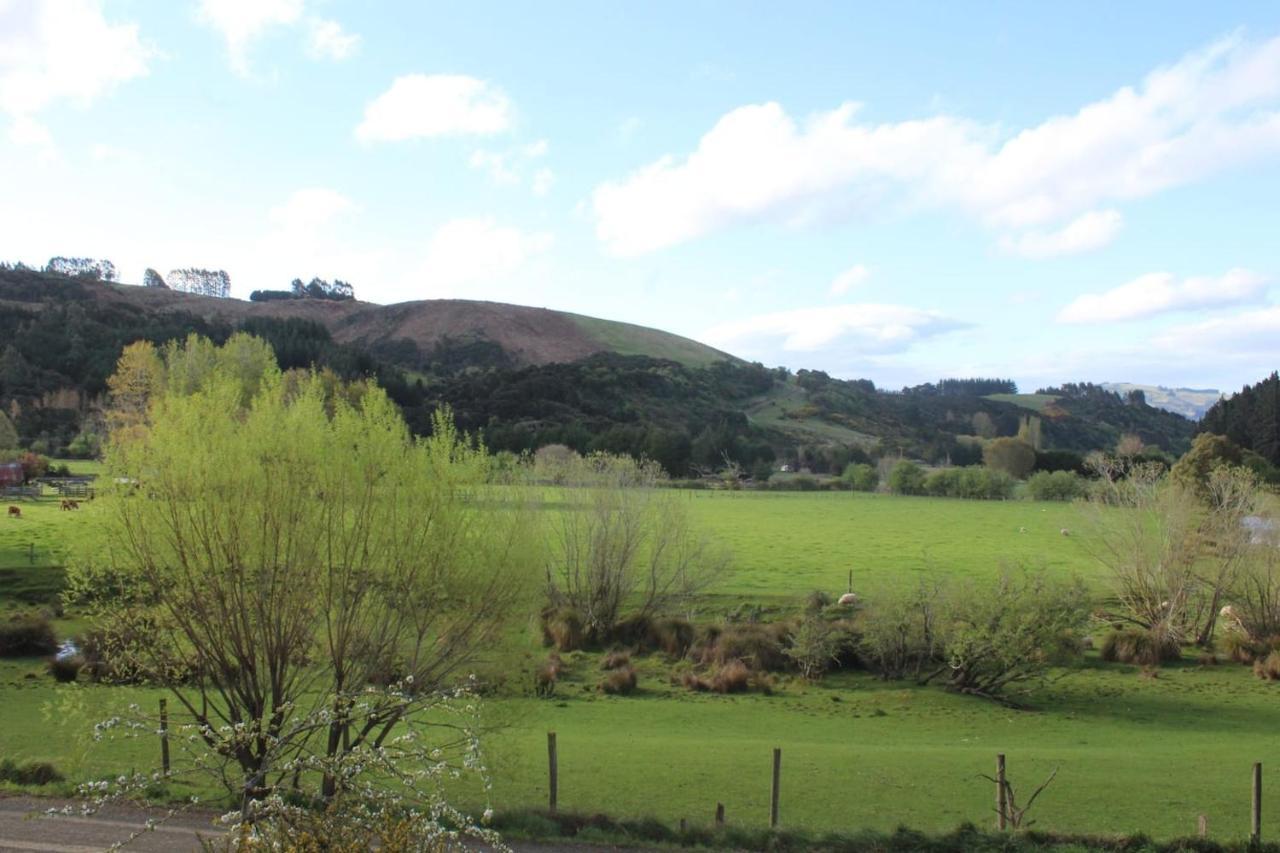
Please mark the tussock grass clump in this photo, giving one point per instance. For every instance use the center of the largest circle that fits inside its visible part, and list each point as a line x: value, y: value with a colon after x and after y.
x: 733, y: 677
x: 33, y: 773
x: 66, y: 670
x: 619, y: 682
x: 1139, y: 646
x: 616, y: 660
x: 562, y: 629
x: 546, y: 676
x: 1268, y: 668
x: 27, y: 636
x: 673, y: 636
x: 1240, y: 648
x: 757, y: 646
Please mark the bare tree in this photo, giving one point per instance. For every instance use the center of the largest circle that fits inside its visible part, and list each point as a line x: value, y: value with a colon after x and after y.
x: 623, y: 547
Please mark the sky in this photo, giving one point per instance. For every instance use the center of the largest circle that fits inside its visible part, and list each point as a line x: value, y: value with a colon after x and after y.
x: 1051, y: 192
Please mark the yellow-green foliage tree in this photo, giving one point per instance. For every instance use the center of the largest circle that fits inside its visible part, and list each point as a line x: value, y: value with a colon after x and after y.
x: 280, y: 551
x: 1011, y: 455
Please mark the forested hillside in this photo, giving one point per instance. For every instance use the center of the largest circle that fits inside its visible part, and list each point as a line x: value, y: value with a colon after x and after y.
x: 1250, y: 418
x: 63, y: 335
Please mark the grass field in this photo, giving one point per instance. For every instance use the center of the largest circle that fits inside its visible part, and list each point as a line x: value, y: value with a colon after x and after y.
x: 1134, y: 753
x: 1034, y: 402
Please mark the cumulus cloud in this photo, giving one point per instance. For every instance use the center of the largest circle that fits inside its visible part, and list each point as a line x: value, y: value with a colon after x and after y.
x: 241, y: 22
x: 56, y: 50
x: 862, y: 329
x: 850, y: 278
x: 1090, y: 231
x: 1237, y: 336
x: 474, y: 250
x: 507, y: 168
x: 328, y: 40
x: 428, y: 105
x: 1213, y: 109
x: 1161, y: 293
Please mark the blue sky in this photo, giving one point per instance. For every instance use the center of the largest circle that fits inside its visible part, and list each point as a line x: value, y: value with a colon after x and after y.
x: 897, y: 191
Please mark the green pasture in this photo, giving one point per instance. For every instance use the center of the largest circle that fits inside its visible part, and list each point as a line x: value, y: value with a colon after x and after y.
x: 1134, y: 753
x: 1034, y: 402
x: 786, y: 544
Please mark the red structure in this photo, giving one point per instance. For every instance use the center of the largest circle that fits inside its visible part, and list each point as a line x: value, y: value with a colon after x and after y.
x: 11, y: 474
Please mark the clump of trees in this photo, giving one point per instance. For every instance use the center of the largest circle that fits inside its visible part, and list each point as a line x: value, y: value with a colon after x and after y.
x: 973, y: 482
x: 94, y: 269
x: 203, y: 282
x: 317, y: 288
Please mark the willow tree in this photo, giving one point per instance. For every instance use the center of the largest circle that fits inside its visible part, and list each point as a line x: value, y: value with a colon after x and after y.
x: 281, y: 553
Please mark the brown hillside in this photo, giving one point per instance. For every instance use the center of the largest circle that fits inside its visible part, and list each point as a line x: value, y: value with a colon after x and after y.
x: 528, y: 335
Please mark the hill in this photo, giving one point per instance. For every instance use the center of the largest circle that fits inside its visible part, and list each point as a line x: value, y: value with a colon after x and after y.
x: 527, y: 377
x: 1189, y: 402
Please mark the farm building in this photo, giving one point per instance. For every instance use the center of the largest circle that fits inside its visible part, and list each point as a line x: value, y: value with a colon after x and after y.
x: 11, y: 474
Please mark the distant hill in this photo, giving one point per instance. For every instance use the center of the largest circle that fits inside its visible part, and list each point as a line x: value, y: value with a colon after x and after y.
x: 1188, y: 402
x: 526, y: 377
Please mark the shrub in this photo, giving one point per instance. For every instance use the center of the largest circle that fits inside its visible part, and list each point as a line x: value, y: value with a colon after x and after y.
x: 27, y: 636
x: 1013, y: 456
x: 861, y: 477
x: 900, y: 632
x: 633, y: 631
x: 562, y: 628
x: 1139, y: 646
x: 815, y: 601
x: 616, y: 660
x: 972, y: 482
x: 619, y: 682
x: 1268, y: 668
x: 1056, y: 486
x: 813, y: 647
x: 906, y: 478
x: 34, y: 773
x: 66, y: 669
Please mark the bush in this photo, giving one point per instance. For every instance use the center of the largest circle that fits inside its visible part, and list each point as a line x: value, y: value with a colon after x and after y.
x: 861, y: 477
x: 1013, y: 456
x: 673, y: 636
x: 27, y: 636
x: 906, y: 478
x: 1139, y: 646
x: 972, y: 482
x: 546, y: 676
x: 562, y: 628
x: 1268, y: 668
x: 619, y: 682
x: 1241, y: 648
x: 66, y: 669
x: 1056, y: 486
x: 813, y: 647
x: 900, y: 632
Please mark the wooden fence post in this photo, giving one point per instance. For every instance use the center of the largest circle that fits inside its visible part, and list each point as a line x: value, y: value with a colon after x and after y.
x: 719, y: 814
x: 1002, y: 808
x: 1255, y: 829
x: 553, y: 769
x: 777, y: 779
x: 164, y: 736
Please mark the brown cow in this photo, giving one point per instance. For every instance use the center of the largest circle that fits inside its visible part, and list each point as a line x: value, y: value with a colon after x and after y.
x: 15, y: 512
x: 70, y: 504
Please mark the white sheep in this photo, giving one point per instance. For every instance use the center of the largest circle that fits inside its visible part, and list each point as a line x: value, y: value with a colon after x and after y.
x: 1231, y: 618
x: 1065, y: 532
x: 848, y: 599
x: 1022, y: 530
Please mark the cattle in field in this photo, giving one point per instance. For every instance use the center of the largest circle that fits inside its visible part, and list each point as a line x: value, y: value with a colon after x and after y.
x: 67, y: 504
x: 15, y: 512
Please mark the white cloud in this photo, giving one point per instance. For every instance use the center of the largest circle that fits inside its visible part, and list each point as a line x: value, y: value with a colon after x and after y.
x: 308, y: 209
x: 1237, y: 336
x: 1087, y: 232
x: 543, y: 180
x: 1213, y: 109
x: 476, y: 250
x: 328, y: 40
x: 859, y: 328
x: 508, y: 168
x: 427, y: 105
x: 850, y: 278
x: 242, y: 22
x: 1160, y: 293
x: 55, y: 50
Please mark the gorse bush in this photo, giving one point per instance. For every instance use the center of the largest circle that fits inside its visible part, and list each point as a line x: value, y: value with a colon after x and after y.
x: 27, y: 636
